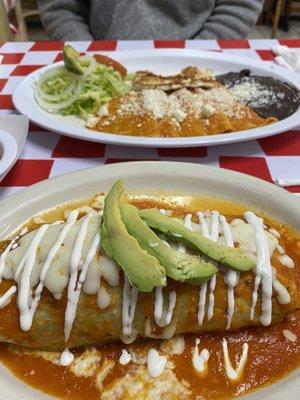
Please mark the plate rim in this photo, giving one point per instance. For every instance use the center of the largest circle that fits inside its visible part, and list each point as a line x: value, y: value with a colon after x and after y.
x: 46, y: 121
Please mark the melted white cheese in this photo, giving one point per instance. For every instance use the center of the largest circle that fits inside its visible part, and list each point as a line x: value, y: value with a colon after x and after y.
x: 51, y: 255
x: 155, y: 363
x: 244, y: 235
x: 110, y: 271
x: 234, y: 374
x: 103, y: 298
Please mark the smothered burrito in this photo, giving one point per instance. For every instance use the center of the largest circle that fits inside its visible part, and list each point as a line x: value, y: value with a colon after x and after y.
x: 150, y: 291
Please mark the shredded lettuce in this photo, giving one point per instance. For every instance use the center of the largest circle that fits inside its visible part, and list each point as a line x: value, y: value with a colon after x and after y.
x: 96, y: 89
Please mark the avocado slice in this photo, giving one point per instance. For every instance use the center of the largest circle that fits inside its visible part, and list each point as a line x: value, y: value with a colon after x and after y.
x: 71, y: 60
x: 143, y: 271
x: 230, y: 257
x: 178, y: 266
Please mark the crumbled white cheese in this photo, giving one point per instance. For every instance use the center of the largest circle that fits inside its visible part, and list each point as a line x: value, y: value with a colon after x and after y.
x: 208, y: 110
x: 290, y: 336
x: 103, y: 111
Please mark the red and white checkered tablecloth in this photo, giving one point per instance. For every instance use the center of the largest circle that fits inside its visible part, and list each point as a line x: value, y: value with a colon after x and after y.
x: 47, y: 154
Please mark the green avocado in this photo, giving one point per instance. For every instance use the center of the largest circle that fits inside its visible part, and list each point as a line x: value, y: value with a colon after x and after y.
x: 229, y: 257
x: 143, y: 271
x: 178, y: 266
x: 71, y: 60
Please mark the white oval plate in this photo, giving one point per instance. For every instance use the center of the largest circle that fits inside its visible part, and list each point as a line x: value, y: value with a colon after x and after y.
x: 163, y: 62
x: 184, y: 178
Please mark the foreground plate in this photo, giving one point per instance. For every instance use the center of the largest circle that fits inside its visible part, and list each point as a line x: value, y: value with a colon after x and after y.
x: 164, y: 62
x: 184, y: 178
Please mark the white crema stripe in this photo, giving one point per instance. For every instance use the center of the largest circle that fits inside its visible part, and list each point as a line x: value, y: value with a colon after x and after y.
x: 51, y: 255
x: 231, y: 277
x: 75, y: 295
x: 161, y: 317
x: 22, y: 276
x: 75, y: 263
x: 234, y: 374
x: 130, y: 295
x: 212, y: 235
x: 263, y: 270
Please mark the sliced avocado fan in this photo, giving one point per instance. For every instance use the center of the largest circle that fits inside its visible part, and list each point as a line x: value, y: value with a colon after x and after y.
x: 178, y: 266
x: 143, y: 271
x: 71, y: 60
x: 228, y: 256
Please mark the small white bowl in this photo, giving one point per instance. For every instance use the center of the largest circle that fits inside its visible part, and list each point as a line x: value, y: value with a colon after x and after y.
x: 13, y: 133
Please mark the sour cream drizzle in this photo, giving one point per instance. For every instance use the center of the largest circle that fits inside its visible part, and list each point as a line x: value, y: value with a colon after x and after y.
x: 213, y: 235
x: 161, y: 317
x: 231, y: 277
x: 263, y: 270
x: 155, y: 363
x: 125, y: 357
x: 234, y: 374
x: 200, y: 360
x: 66, y: 358
x: 73, y: 293
x: 130, y: 295
x: 23, y: 274
x: 52, y: 253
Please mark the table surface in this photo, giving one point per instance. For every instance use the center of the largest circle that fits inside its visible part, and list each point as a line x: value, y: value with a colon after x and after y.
x: 47, y: 154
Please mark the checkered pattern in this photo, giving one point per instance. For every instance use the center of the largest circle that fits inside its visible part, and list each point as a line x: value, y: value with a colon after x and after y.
x: 47, y: 154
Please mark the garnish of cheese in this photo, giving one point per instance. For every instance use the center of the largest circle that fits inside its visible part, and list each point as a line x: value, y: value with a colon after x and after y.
x: 58, y: 274
x: 244, y: 236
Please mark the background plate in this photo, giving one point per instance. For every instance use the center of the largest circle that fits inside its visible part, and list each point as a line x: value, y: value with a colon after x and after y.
x: 177, y: 177
x: 164, y: 62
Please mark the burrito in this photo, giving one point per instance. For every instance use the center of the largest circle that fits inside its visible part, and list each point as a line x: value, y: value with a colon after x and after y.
x: 124, y: 273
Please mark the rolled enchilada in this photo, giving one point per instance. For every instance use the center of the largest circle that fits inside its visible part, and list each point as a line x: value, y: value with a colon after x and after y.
x: 60, y: 288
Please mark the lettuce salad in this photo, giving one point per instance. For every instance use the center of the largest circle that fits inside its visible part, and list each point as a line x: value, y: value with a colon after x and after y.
x: 79, y: 91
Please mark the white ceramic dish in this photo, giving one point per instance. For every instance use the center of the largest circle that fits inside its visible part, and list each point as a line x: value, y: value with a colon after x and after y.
x: 148, y: 176
x: 8, y: 152
x: 164, y: 62
x: 13, y: 134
